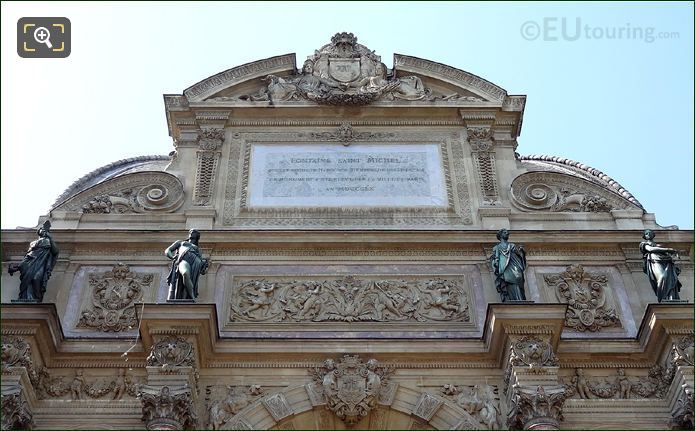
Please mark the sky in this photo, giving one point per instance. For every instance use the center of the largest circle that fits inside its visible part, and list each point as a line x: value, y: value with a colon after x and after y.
x: 608, y: 84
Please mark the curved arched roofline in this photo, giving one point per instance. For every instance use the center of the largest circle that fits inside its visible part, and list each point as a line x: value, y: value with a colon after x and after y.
x: 611, y: 184
x: 236, y: 75
x: 82, y: 183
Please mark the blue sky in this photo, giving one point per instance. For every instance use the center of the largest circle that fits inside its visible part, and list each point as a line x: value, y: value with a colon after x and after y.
x: 619, y: 102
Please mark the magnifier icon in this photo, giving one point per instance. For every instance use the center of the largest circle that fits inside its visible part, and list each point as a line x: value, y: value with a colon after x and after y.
x: 42, y: 35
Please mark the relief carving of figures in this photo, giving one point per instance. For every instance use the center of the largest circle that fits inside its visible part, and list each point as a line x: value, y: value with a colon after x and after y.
x: 682, y: 352
x: 167, y: 410
x: 508, y: 262
x: 538, y: 408
x: 236, y: 398
x: 589, y: 307
x: 660, y: 267
x: 114, y: 294
x: 480, y: 401
x: 78, y: 387
x: 351, y: 387
x: 36, y: 267
x: 350, y: 299
x: 15, y: 411
x: 343, y: 72
x: 621, y: 386
x: 171, y: 351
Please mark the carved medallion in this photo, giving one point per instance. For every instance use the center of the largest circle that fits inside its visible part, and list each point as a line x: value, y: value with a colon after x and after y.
x: 171, y: 351
x: 351, y: 386
x: 589, y: 307
x: 114, y: 294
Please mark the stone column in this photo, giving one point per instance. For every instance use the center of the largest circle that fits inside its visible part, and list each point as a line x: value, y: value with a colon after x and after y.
x: 169, y: 397
x: 532, y: 386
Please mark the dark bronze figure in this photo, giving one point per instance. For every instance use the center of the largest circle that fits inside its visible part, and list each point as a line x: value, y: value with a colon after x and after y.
x: 509, y: 263
x: 36, y: 267
x: 186, y: 266
x: 660, y: 268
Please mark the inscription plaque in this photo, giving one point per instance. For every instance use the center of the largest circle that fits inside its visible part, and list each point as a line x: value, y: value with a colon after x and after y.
x: 331, y: 175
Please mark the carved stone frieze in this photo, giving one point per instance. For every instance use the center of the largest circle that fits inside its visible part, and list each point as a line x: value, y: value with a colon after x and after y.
x: 113, y: 297
x: 350, y: 299
x: 15, y: 411
x: 171, y: 351
x: 79, y: 388
x: 346, y: 134
x: 138, y: 192
x: 167, y: 408
x: 536, y: 408
x: 222, y: 409
x: 621, y: 386
x: 482, y: 402
x: 589, y: 308
x: 351, y: 386
x: 558, y: 192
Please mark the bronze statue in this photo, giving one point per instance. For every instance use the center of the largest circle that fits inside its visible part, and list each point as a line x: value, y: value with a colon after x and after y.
x: 36, y: 267
x: 660, y: 268
x: 186, y: 266
x: 508, y: 262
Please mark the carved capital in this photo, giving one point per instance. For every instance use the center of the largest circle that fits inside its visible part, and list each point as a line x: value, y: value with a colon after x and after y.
x: 15, y: 410
x: 167, y: 409
x: 682, y: 415
x: 537, y: 408
x: 481, y: 139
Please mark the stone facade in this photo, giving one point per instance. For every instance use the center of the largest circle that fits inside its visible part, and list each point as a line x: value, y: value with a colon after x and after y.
x: 377, y: 314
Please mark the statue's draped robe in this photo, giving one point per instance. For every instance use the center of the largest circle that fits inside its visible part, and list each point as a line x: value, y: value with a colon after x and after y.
x: 662, y: 272
x: 37, y: 265
x: 510, y: 262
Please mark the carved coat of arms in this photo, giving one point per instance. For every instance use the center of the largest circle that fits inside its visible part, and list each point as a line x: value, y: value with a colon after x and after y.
x: 351, y: 386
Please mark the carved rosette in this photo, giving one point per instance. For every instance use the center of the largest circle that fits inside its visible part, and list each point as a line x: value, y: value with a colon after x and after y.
x: 167, y: 409
x: 350, y: 299
x: 558, y: 192
x: 114, y: 294
x: 171, y: 351
x: 351, y: 387
x: 589, y: 307
x: 15, y: 411
x: 537, y: 408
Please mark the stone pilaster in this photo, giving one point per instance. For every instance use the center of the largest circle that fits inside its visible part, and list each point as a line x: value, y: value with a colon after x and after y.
x: 17, y: 399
